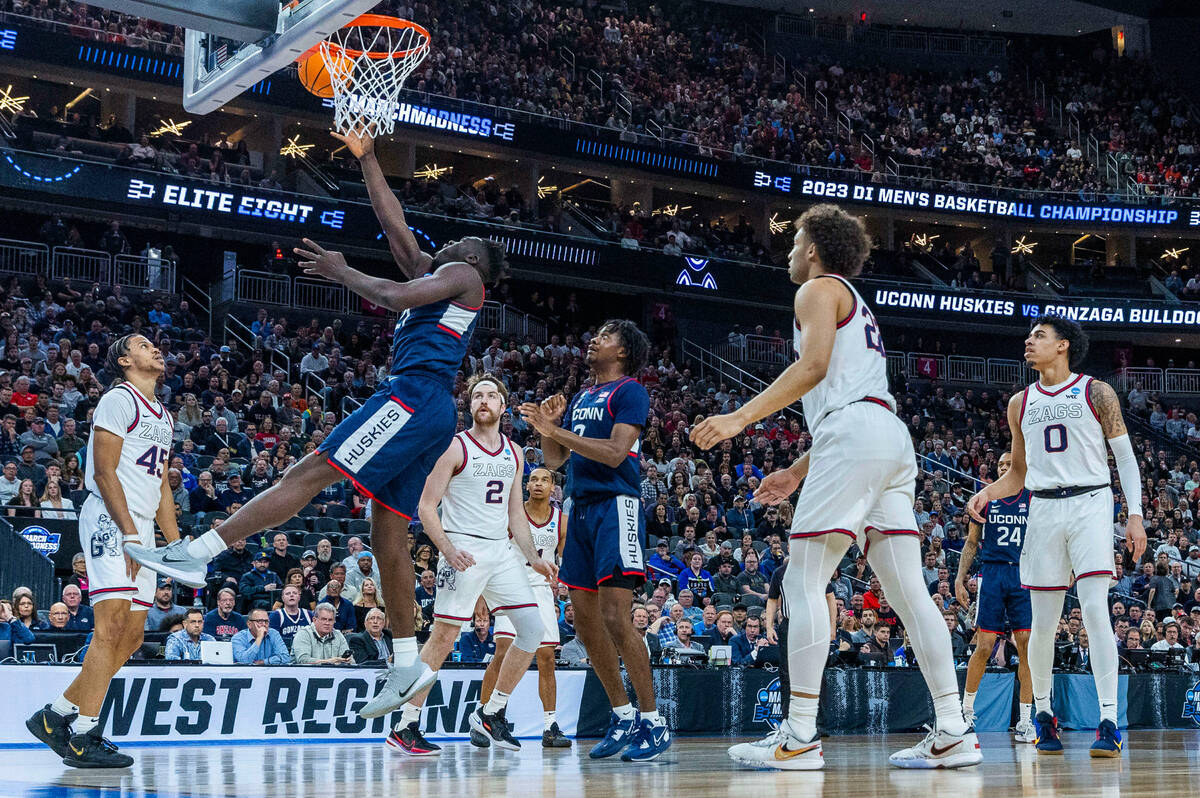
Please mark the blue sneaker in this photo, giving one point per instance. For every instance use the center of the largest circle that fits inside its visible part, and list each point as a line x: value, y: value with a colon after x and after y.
x: 1108, y: 740
x: 1047, y: 741
x: 619, y: 733
x: 648, y: 741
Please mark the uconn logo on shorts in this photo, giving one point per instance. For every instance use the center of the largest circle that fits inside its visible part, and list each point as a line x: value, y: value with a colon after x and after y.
x: 372, y: 436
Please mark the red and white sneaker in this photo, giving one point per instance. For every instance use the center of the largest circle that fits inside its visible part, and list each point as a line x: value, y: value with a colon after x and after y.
x: 410, y: 742
x: 940, y: 750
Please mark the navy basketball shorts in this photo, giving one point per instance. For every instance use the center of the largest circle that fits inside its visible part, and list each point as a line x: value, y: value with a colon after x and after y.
x: 606, y: 538
x: 389, y: 445
x: 1003, y: 604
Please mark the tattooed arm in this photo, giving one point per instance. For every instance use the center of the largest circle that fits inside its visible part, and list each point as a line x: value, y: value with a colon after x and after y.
x: 1108, y: 409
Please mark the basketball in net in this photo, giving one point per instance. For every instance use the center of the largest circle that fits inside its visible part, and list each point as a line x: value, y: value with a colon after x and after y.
x: 315, y: 76
x: 366, y: 63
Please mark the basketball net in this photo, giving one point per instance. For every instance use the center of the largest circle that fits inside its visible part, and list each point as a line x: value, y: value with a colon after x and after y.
x: 368, y: 62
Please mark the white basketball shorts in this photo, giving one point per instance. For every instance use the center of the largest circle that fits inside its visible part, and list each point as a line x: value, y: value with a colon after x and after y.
x: 1065, y: 537
x: 101, y: 541
x: 499, y: 575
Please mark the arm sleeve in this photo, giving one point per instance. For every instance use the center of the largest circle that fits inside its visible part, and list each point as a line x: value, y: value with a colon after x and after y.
x: 115, y: 412
x: 1127, y: 470
x: 630, y: 404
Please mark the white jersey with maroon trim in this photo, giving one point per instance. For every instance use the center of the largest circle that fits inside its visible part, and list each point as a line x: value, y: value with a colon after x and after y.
x: 476, y: 500
x: 1064, y: 442
x: 857, y: 366
x: 545, y: 541
x: 145, y: 429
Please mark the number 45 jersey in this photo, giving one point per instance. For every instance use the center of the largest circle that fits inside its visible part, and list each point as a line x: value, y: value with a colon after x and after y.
x: 1004, y: 532
x: 145, y: 429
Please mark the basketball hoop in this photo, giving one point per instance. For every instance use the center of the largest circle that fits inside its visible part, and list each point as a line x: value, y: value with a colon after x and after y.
x: 368, y: 61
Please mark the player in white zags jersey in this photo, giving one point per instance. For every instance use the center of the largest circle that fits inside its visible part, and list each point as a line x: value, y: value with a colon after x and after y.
x: 1059, y: 427
x: 478, y: 485
x: 549, y: 528
x: 126, y: 476
x: 859, y: 477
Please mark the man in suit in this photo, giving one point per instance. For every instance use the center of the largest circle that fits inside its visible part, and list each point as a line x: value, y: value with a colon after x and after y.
x: 373, y: 645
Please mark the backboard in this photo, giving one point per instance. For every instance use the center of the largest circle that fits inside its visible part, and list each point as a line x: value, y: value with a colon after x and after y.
x: 217, y: 69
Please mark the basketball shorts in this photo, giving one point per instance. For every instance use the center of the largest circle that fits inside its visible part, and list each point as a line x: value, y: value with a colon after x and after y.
x: 499, y: 575
x: 1003, y: 604
x: 1065, y: 537
x: 606, y: 539
x: 101, y: 541
x: 547, y: 609
x: 861, y: 476
x: 389, y: 445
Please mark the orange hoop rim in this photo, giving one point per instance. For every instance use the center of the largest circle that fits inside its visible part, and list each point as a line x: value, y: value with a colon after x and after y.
x: 380, y: 21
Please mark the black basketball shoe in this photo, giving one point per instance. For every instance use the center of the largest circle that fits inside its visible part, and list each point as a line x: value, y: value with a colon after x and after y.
x: 51, y: 728
x: 554, y: 738
x: 91, y: 750
x: 409, y: 740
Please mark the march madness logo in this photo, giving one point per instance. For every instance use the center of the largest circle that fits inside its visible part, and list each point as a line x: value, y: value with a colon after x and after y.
x: 768, y: 707
x: 1191, y: 704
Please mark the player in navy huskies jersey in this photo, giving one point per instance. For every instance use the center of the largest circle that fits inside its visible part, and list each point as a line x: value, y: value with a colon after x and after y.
x: 388, y: 446
x: 600, y: 440
x: 1003, y: 604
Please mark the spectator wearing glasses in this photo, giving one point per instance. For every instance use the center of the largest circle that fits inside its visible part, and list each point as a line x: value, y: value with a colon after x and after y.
x: 258, y: 643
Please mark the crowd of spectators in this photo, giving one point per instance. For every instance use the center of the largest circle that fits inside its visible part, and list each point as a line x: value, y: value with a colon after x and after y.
x: 690, y: 71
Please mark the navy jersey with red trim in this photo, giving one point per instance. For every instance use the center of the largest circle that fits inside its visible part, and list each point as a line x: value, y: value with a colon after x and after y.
x: 1004, y: 532
x: 592, y: 414
x: 432, y: 340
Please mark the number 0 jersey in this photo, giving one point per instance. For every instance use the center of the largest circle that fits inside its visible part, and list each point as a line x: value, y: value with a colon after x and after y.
x: 1004, y: 532
x: 857, y: 366
x: 476, y: 500
x: 145, y: 430
x: 1064, y: 442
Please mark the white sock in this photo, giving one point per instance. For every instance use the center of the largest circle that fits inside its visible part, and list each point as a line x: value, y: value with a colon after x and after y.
x: 549, y: 718
x: 802, y: 717
x: 625, y: 712
x: 968, y: 702
x: 61, y: 706
x: 404, y: 651
x: 409, y: 715
x: 497, y: 702
x: 207, y: 546
x: 85, y: 723
x: 948, y: 710
x: 1024, y: 713
x: 1041, y: 703
x: 652, y: 716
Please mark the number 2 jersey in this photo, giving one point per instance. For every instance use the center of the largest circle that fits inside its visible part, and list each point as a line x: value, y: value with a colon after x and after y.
x: 1064, y: 442
x: 476, y: 500
x: 145, y: 429
x: 1004, y: 532
x: 857, y: 366
x: 593, y: 413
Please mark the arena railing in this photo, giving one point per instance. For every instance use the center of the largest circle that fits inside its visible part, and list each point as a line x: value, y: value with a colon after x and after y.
x: 148, y: 273
x: 24, y: 257
x: 84, y: 265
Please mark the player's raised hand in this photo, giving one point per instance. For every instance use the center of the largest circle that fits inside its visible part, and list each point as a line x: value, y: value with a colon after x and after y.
x: 358, y: 141
x: 459, y: 560
x: 776, y: 487
x: 544, y: 417
x: 714, y: 429
x: 554, y: 407
x: 546, y: 568
x: 317, y: 260
x: 1135, y: 537
x: 977, y: 506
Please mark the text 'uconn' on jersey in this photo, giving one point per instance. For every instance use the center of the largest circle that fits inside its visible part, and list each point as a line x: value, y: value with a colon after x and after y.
x: 1004, y: 532
x: 592, y: 414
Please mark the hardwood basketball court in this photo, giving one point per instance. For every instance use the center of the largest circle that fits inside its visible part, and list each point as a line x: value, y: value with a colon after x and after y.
x: 1155, y: 763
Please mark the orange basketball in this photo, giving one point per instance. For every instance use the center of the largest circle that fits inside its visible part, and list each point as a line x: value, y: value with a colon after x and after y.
x: 314, y: 74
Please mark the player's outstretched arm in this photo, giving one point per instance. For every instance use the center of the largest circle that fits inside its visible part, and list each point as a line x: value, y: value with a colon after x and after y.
x: 965, y: 559
x: 431, y: 495
x: 1013, y: 480
x: 1108, y: 410
x: 388, y: 210
x: 166, y: 512
x: 816, y: 307
x: 545, y: 416
x: 449, y: 282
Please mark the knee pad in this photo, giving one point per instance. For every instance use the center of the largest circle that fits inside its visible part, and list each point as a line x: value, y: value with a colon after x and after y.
x: 527, y: 625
